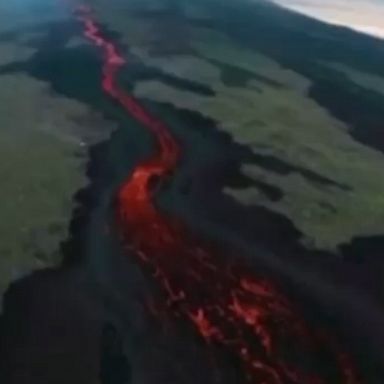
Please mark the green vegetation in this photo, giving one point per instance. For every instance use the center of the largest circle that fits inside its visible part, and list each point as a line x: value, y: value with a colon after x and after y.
x: 39, y: 174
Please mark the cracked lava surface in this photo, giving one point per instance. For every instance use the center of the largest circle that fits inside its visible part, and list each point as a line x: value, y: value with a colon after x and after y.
x: 231, y: 309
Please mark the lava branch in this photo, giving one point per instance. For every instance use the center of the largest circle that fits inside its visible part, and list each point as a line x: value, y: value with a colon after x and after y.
x: 244, y: 315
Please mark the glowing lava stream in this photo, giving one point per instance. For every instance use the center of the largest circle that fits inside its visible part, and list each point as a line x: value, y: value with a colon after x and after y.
x: 243, y: 315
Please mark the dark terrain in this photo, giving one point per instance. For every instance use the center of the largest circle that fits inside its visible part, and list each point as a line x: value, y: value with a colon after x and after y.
x: 97, y: 315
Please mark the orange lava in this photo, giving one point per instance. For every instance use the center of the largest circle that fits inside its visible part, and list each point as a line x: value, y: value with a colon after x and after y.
x: 244, y: 316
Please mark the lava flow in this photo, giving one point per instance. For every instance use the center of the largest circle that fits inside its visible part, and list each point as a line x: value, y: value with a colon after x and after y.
x: 243, y: 316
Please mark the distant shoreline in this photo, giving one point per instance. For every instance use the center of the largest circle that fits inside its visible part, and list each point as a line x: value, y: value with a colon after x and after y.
x: 373, y: 30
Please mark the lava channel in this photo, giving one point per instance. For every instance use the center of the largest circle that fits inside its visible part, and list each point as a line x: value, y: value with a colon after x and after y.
x: 242, y: 315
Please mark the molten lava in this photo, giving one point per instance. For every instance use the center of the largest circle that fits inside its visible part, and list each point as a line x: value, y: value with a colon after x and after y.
x: 244, y: 316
